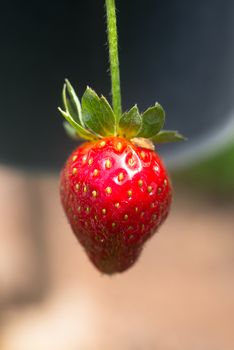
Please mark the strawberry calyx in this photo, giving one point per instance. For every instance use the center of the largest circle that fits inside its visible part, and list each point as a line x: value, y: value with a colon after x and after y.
x: 93, y: 118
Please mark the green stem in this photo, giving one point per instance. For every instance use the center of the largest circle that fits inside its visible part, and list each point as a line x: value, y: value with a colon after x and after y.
x: 114, y: 58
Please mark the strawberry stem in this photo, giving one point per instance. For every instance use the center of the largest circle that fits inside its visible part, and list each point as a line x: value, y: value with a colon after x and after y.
x: 114, y: 57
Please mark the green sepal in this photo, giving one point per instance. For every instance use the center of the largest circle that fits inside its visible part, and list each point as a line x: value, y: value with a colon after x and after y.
x: 83, y: 133
x: 97, y: 114
x: 168, y: 136
x: 70, y: 131
x: 152, y: 121
x: 71, y: 103
x: 94, y: 118
x: 130, y: 123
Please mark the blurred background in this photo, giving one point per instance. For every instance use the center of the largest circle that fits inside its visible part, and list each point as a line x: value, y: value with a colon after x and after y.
x: 180, y: 294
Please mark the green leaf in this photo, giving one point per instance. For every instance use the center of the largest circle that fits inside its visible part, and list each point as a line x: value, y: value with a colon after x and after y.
x: 130, y: 123
x: 152, y: 121
x: 85, y: 134
x: 168, y: 136
x: 97, y: 114
x: 72, y: 103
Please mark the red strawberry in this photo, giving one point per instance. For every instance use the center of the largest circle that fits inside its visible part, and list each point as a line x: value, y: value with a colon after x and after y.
x: 115, y: 196
x: 115, y: 191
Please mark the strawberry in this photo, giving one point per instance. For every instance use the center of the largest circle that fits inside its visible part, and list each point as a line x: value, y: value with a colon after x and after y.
x: 114, y: 188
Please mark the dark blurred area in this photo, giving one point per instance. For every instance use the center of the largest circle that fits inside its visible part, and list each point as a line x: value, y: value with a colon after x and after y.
x: 178, y: 53
x: 180, y: 295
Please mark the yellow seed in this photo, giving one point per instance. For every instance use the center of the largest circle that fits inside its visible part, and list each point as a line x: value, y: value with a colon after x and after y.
x: 87, y: 210
x: 104, y: 211
x: 142, y: 154
x: 149, y: 189
x: 165, y: 182
x: 90, y: 161
x: 79, y: 209
x: 130, y: 193
x: 117, y: 205
x: 119, y: 146
x: 74, y: 158
x: 113, y: 224
x: 131, y: 162
x: 96, y: 217
x: 140, y: 183
x: 102, y: 143
x: 94, y: 193
x: 84, y: 159
x: 74, y: 171
x: 136, y: 209
x: 85, y: 188
x: 77, y: 187
x: 156, y: 168
x: 154, y: 216
x: 108, y: 164
x: 142, y: 227
x: 108, y: 190
x: 95, y: 172
x: 126, y: 217
x: 142, y: 214
x: 159, y: 190
x: 152, y: 205
x: 121, y: 176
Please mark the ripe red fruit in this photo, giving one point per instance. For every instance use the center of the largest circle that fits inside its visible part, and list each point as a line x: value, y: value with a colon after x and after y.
x: 114, y: 189
x: 115, y: 195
